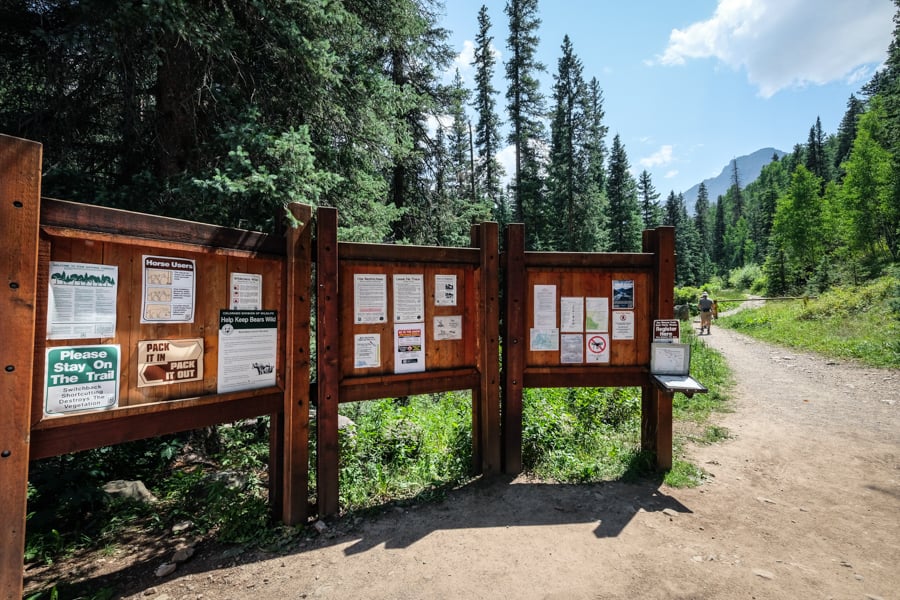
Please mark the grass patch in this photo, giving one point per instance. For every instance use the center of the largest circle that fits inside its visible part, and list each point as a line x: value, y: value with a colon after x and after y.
x: 684, y: 475
x: 860, y: 323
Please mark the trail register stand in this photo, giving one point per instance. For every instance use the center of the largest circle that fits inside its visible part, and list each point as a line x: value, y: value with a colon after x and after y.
x: 125, y: 326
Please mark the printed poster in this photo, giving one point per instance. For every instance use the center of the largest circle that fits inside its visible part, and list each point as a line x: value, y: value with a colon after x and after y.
x: 545, y: 306
x: 447, y: 328
x: 544, y: 339
x: 81, y: 378
x: 596, y: 317
x: 409, y: 347
x: 245, y: 292
x: 445, y: 290
x: 370, y: 298
x: 248, y: 349
x: 623, y: 293
x: 571, y: 348
x: 571, y: 317
x: 366, y: 350
x: 409, y: 299
x: 597, y: 348
x: 82, y: 301
x: 169, y: 288
x: 623, y: 325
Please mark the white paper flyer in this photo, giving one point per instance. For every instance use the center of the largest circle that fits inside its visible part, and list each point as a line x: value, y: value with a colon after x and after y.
x: 82, y: 301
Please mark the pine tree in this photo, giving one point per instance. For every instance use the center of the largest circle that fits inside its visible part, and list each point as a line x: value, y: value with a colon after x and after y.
x: 651, y: 214
x: 718, y: 241
x: 847, y: 132
x: 525, y: 107
x: 567, y: 170
x: 815, y: 153
x: 734, y: 194
x: 487, y: 133
x: 595, y: 149
x: 624, y: 213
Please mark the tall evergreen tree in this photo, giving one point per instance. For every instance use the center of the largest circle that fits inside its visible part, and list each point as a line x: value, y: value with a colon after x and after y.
x: 815, y: 153
x: 526, y: 110
x: 567, y: 182
x: 702, y: 217
x: 595, y: 149
x: 735, y: 193
x: 487, y: 132
x: 216, y: 102
x: 847, y: 132
x: 624, y: 213
x: 651, y: 214
x: 718, y: 241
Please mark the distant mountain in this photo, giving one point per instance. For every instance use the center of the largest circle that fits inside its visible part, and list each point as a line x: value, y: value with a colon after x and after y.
x: 749, y: 168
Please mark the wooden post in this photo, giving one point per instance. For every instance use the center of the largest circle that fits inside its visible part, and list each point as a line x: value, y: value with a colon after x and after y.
x: 513, y: 348
x: 327, y: 364
x: 477, y: 423
x: 489, y: 387
x: 294, y: 499
x: 20, y: 199
x: 664, y: 284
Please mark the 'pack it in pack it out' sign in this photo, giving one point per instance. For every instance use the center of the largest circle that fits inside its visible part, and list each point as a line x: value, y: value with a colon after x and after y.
x: 164, y: 362
x: 80, y: 378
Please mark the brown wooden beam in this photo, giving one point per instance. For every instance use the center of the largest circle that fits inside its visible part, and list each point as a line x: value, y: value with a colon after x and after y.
x: 88, y: 217
x: 489, y: 388
x: 328, y: 335
x: 354, y: 251
x: 586, y: 260
x: 394, y: 386
x: 136, y: 425
x: 294, y: 499
x: 514, y: 345
x: 20, y: 204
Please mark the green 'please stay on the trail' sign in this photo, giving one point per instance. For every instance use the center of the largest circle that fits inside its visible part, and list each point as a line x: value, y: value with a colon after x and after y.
x: 81, y: 378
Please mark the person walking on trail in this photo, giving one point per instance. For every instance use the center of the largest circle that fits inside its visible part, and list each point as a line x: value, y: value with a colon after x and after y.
x: 706, y: 311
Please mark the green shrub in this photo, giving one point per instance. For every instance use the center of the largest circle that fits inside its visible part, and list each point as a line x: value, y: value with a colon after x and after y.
x: 747, y: 277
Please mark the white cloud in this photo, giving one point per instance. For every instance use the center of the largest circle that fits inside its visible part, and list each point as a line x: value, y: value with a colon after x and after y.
x: 663, y: 156
x: 787, y: 43
x: 507, y: 159
x: 671, y: 174
x: 463, y: 61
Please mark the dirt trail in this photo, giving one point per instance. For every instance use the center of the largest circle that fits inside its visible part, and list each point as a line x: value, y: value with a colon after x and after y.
x: 802, y: 502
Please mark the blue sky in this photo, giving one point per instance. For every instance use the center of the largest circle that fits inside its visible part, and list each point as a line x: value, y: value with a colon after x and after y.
x: 690, y: 85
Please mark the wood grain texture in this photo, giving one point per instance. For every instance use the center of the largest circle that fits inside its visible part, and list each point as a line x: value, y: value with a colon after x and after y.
x: 20, y: 193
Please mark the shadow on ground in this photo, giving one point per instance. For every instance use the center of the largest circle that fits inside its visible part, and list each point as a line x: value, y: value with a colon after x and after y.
x: 484, y: 503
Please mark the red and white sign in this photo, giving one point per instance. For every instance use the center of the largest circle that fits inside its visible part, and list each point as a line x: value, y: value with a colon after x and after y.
x: 597, y: 348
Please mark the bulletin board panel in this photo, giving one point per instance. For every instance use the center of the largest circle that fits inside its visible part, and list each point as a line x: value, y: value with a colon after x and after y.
x: 450, y: 341
x: 584, y: 320
x: 74, y: 234
x: 396, y: 320
x: 617, y: 345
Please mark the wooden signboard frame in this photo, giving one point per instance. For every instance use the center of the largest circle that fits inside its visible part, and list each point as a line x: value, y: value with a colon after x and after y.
x: 651, y: 274
x: 36, y: 231
x: 447, y: 300
x: 469, y: 362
